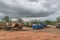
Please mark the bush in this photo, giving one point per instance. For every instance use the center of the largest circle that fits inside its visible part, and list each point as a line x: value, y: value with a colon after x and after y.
x: 48, y: 22
x: 26, y: 23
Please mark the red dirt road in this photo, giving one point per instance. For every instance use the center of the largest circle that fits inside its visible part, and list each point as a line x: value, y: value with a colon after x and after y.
x: 28, y: 35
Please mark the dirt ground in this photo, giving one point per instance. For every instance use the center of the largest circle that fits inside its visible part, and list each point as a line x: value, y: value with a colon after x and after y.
x: 50, y: 33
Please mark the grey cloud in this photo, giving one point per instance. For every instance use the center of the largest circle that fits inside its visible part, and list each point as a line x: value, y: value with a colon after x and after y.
x: 28, y: 8
x: 33, y: 0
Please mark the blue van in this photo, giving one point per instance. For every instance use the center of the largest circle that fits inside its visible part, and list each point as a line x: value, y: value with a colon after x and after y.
x: 38, y: 26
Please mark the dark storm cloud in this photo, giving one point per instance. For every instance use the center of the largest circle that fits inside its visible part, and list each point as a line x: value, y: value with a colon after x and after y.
x: 22, y: 8
x: 33, y: 0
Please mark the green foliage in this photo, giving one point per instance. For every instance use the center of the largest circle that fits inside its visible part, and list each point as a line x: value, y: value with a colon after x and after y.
x: 26, y: 23
x: 58, y: 19
x: 6, y: 19
x: 49, y: 22
x: 20, y: 20
x: 35, y: 21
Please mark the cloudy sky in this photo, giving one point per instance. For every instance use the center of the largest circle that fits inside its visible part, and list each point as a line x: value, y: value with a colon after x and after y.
x: 34, y: 8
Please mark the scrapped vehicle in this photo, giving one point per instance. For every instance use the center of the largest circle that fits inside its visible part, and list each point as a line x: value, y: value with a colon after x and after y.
x: 2, y: 24
x: 11, y: 26
x: 58, y: 25
x: 38, y: 26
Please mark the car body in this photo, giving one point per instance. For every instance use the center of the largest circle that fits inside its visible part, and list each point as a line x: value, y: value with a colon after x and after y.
x: 39, y: 26
x: 58, y: 25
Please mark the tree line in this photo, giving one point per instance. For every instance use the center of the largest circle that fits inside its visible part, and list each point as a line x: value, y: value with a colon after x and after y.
x: 48, y: 22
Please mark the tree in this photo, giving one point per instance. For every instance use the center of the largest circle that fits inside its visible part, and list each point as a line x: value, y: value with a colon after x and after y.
x: 58, y: 19
x: 35, y: 21
x: 49, y: 22
x: 20, y: 20
x: 26, y: 23
x: 6, y: 19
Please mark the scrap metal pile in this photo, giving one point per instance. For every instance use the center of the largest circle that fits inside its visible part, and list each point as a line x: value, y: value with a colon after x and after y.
x: 11, y: 26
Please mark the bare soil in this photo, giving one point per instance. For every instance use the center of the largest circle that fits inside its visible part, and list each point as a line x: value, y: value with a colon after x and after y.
x: 51, y: 33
